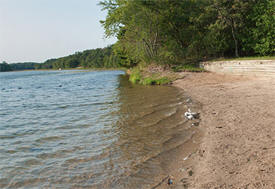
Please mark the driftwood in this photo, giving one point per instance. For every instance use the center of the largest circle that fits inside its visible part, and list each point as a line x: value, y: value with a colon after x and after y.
x: 160, y: 183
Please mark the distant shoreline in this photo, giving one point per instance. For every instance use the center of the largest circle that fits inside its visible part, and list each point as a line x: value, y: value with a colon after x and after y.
x: 92, y: 69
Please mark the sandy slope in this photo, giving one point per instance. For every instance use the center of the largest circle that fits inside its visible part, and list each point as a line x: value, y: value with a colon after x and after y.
x: 238, y: 116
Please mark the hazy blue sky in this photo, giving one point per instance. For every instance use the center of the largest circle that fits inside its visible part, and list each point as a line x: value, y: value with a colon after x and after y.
x: 35, y: 30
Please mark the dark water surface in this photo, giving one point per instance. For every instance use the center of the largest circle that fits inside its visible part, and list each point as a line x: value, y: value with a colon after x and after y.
x: 77, y: 129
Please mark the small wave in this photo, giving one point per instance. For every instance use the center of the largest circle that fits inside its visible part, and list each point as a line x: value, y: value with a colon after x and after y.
x: 59, y: 153
x: 7, y: 136
x: 49, y: 139
x: 29, y: 149
x: 31, y: 162
x: 157, y: 119
x: 11, y: 151
x: 25, y: 183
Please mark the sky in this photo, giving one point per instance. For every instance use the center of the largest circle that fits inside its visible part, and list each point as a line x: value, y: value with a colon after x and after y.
x: 37, y: 30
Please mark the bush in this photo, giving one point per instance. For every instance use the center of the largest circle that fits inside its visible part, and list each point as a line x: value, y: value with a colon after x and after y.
x: 148, y: 81
x: 135, y: 77
x: 145, y: 76
x: 163, y: 81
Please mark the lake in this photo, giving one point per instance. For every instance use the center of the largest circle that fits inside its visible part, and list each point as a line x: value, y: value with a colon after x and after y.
x: 94, y: 129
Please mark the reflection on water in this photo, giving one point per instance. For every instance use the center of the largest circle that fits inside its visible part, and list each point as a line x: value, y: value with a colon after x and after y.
x: 62, y: 129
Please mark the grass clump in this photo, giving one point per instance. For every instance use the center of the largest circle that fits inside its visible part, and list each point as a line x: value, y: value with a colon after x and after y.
x: 145, y: 76
x: 163, y: 81
x: 135, y: 76
x: 148, y: 81
x: 155, y: 81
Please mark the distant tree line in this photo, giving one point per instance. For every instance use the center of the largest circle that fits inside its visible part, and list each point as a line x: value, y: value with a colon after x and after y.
x: 95, y: 58
x: 4, y: 67
x: 24, y: 66
x: 175, y: 31
x: 17, y: 66
x: 171, y: 31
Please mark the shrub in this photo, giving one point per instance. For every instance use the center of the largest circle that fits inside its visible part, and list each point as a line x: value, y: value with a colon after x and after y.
x: 163, y: 81
x: 135, y: 76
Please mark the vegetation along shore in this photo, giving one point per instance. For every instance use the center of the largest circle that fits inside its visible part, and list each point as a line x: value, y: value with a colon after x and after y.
x: 174, y: 34
x: 237, y: 149
x: 159, y: 42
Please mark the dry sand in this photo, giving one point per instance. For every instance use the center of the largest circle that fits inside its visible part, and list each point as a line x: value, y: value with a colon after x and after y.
x: 237, y: 149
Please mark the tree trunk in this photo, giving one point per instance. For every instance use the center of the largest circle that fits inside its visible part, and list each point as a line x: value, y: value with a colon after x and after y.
x: 230, y: 21
x: 235, y: 39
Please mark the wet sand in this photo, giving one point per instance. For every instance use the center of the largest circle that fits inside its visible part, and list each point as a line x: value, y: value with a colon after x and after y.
x: 237, y: 149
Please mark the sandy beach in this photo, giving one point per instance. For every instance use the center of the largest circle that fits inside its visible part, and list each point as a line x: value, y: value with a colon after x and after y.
x: 237, y: 149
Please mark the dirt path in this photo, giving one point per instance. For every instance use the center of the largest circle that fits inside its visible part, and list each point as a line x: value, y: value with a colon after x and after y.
x: 238, y: 117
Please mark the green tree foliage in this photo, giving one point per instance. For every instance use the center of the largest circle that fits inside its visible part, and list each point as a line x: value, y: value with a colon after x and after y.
x: 95, y: 58
x: 175, y: 31
x: 263, y: 30
x: 4, y: 67
x: 170, y: 31
x: 46, y: 65
x: 136, y: 27
x: 24, y: 66
x: 18, y: 66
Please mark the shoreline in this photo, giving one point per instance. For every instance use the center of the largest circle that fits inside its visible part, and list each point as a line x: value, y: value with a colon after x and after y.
x: 237, y: 149
x: 181, y: 157
x: 68, y: 69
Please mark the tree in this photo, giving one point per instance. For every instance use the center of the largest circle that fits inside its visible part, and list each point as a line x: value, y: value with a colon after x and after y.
x: 154, y: 31
x: 4, y: 67
x: 263, y: 32
x: 230, y: 15
x: 136, y: 26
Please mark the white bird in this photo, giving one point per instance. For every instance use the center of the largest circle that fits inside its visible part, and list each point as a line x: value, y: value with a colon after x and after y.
x: 191, y: 115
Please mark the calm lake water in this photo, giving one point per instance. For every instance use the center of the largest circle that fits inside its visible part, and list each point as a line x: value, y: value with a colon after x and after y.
x: 77, y: 129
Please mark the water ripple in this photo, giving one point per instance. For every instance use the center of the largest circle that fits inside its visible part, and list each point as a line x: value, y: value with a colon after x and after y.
x: 75, y: 129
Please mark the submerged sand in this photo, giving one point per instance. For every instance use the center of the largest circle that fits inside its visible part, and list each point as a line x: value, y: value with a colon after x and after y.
x: 237, y: 149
